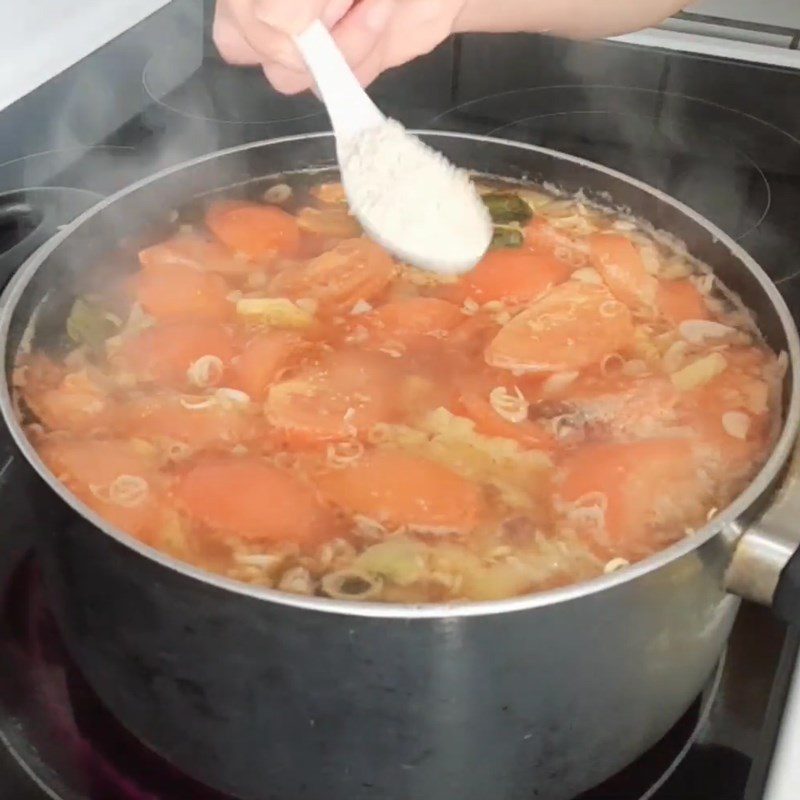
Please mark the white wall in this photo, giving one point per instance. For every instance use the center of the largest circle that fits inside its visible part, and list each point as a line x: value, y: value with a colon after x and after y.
x: 41, y: 38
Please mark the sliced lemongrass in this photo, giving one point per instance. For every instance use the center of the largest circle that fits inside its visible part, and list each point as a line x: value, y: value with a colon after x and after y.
x: 588, y: 275
x: 278, y: 194
x: 615, y: 565
x: 226, y: 394
x: 558, y: 382
x: 205, y: 371
x: 699, y: 331
x: 736, y: 424
x: 297, y: 580
x: 352, y: 584
x: 699, y: 372
x: 511, y: 407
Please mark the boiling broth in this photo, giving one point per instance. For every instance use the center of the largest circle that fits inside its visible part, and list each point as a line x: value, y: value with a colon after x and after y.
x: 272, y: 397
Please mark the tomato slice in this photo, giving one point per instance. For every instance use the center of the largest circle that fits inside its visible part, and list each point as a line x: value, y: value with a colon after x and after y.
x: 511, y: 276
x: 680, y: 300
x: 331, y: 222
x: 79, y: 404
x: 256, y: 231
x: 172, y: 291
x: 194, y: 250
x: 423, y: 316
x: 541, y: 235
x: 163, y: 354
x: 399, y: 489
x: 264, y: 358
x: 251, y: 499
x: 474, y: 402
x: 643, y: 488
x: 355, y: 269
x: 572, y: 326
x: 342, y: 397
x: 741, y: 390
x: 620, y: 265
x: 472, y: 335
x: 117, y: 479
x: 197, y: 422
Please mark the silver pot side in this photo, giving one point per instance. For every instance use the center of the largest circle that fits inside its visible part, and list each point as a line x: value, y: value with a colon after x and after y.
x: 265, y: 701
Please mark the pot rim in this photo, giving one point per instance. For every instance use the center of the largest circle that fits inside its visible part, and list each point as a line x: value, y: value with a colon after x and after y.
x: 726, y: 520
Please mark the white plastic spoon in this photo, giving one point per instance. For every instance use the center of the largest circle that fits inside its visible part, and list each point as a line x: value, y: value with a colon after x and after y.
x: 407, y: 197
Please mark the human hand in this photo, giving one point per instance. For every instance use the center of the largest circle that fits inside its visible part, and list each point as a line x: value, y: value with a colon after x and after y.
x: 373, y: 35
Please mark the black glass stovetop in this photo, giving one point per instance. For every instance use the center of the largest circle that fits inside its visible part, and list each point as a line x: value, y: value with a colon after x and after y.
x: 721, y: 136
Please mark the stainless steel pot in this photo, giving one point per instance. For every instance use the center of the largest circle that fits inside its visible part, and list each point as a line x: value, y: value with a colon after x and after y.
x: 269, y: 696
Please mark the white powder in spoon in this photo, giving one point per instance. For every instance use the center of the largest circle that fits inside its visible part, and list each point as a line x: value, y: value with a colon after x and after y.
x: 413, y: 201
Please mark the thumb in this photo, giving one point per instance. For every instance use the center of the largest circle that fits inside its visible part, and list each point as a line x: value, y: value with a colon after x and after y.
x: 230, y: 43
x: 361, y: 30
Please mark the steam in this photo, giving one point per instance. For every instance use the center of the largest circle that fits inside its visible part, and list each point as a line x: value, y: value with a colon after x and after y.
x: 606, y: 104
x: 103, y: 100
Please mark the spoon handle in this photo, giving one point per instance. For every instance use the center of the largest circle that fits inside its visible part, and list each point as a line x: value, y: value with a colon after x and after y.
x: 348, y: 105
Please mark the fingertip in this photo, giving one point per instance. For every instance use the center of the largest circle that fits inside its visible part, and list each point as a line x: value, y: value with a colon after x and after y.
x: 358, y: 34
x: 286, y: 81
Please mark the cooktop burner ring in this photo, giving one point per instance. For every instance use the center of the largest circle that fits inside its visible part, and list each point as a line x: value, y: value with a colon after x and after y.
x: 500, y: 130
x: 19, y: 219
x: 31, y: 215
x: 710, y: 694
x: 601, y: 86
x: 45, y: 170
x: 216, y: 85
x: 735, y: 167
x: 704, y: 703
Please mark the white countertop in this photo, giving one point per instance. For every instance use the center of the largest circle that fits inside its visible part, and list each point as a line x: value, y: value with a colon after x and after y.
x: 714, y: 46
x: 785, y: 13
x: 41, y: 38
x: 759, y: 31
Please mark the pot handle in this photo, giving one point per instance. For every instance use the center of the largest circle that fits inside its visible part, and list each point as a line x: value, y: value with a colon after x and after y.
x: 766, y: 561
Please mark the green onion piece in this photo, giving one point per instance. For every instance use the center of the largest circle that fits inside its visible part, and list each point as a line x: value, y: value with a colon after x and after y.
x: 506, y: 237
x: 90, y: 325
x: 505, y: 207
x: 397, y: 559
